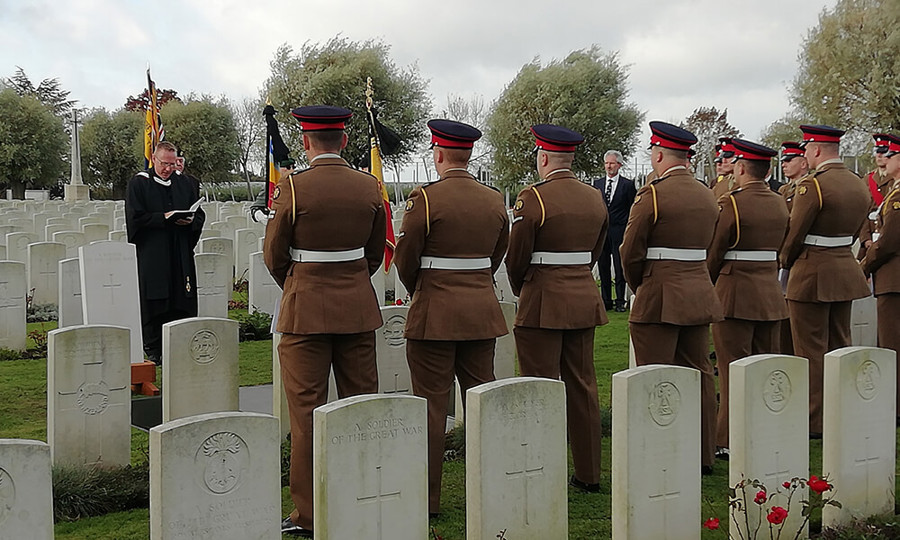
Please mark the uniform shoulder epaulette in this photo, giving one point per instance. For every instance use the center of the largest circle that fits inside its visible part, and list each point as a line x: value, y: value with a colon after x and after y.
x: 145, y: 174
x: 540, y: 183
x: 298, y: 171
x: 657, y: 180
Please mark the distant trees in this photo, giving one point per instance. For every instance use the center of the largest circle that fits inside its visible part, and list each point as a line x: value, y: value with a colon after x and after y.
x: 32, y: 143
x: 334, y: 73
x: 587, y: 91
x: 47, y: 92
x: 112, y: 151
x: 203, y: 128
x: 708, y: 124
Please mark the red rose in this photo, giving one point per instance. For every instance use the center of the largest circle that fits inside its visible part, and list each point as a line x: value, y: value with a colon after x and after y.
x: 398, y: 302
x: 817, y: 485
x: 786, y: 485
x: 711, y: 524
x: 777, y: 515
x: 761, y: 497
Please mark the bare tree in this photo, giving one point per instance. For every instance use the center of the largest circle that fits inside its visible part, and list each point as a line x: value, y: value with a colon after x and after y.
x: 474, y: 112
x: 708, y: 124
x: 251, y: 131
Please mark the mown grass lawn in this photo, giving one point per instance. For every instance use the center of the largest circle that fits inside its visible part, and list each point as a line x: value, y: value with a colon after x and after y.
x: 23, y: 415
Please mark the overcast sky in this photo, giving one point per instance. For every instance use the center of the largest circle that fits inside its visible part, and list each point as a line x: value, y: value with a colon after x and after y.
x: 682, y: 53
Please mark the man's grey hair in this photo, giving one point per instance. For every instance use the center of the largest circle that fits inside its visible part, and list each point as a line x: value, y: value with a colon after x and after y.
x: 620, y: 159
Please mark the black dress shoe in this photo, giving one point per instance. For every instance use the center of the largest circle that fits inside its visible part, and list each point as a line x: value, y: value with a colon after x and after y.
x: 289, y: 527
x: 722, y: 453
x: 584, y: 486
x: 706, y: 470
x: 620, y: 309
x: 815, y: 435
x: 155, y: 359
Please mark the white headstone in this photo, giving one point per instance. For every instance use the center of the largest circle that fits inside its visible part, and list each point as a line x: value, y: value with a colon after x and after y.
x: 70, y: 307
x: 200, y: 367
x: 109, y: 289
x: 94, y: 232
x: 505, y: 348
x: 516, y: 459
x: 859, y: 436
x: 89, y: 395
x: 72, y: 240
x: 502, y: 288
x: 768, y: 429
x: 279, y: 400
x: 26, y: 490
x: 378, y: 284
x: 390, y: 352
x: 864, y: 322
x: 43, y: 271
x: 265, y: 294
x: 632, y: 359
x: 222, y: 246
x: 245, y: 243
x: 118, y: 236
x: 213, y: 285
x: 17, y: 245
x: 656, y: 453
x: 215, y: 476
x: 12, y: 306
x: 370, y: 454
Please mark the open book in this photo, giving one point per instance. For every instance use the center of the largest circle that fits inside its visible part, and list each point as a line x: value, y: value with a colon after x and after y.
x: 185, y: 214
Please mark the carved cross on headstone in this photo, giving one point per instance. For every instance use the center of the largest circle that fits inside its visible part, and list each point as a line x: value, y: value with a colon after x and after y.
x: 378, y: 498
x: 8, y: 298
x: 111, y: 287
x: 397, y: 389
x: 664, y: 496
x: 525, y: 473
x: 779, y: 475
x: 865, y: 461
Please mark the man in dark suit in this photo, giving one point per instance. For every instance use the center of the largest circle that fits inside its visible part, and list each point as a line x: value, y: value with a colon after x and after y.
x: 618, y: 193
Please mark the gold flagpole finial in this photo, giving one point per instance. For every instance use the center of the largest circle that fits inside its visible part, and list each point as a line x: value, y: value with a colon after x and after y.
x: 369, y: 93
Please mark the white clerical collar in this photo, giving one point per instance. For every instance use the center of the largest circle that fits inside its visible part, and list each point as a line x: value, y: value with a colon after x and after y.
x: 328, y: 155
x: 554, y: 171
x: 159, y: 180
x: 832, y: 161
x: 672, y: 169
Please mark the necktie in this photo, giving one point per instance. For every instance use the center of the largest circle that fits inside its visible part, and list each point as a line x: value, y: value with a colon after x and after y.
x: 609, y: 186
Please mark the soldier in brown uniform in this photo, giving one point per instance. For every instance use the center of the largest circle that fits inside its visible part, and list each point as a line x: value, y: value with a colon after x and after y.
x: 882, y: 261
x: 324, y: 239
x: 879, y: 184
x: 453, y: 238
x: 724, y: 168
x: 795, y: 168
x: 559, y: 228
x: 743, y: 264
x: 664, y: 259
x: 828, y: 211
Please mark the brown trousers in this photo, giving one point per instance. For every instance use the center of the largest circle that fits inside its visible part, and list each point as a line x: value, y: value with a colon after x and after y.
x: 786, y: 342
x: 432, y: 366
x: 889, y: 329
x: 306, y: 361
x: 817, y: 328
x: 735, y: 339
x: 686, y: 346
x: 568, y: 355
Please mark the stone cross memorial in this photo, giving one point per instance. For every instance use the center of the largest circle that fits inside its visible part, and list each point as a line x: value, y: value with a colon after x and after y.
x: 768, y: 421
x: 656, y: 453
x: 859, y: 436
x: 370, y: 462
x: 26, y: 492
x: 215, y: 476
x: 516, y: 459
x: 89, y: 395
x: 200, y: 367
x: 109, y: 289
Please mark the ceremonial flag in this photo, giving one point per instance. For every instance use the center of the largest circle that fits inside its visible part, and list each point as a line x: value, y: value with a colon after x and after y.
x: 379, y: 133
x: 153, y: 130
x: 277, y: 153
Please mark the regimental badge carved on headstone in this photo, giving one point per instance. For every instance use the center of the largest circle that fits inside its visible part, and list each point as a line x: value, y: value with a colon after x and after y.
x: 777, y: 391
x: 7, y: 495
x: 222, y: 459
x: 867, y: 379
x: 393, y: 331
x: 665, y: 403
x: 204, y: 347
x: 93, y: 397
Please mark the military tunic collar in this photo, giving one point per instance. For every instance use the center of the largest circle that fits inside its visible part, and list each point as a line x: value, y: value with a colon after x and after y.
x: 326, y: 156
x: 554, y: 171
x: 670, y: 170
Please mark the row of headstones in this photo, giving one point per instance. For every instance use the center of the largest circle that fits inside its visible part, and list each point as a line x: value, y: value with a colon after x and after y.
x: 219, y: 473
x: 656, y: 441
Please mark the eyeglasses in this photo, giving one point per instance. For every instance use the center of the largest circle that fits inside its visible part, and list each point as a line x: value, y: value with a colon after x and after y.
x: 166, y: 164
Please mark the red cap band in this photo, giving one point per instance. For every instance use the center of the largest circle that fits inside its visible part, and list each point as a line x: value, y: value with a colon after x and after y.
x: 316, y: 126
x: 656, y: 140
x: 551, y: 147
x: 437, y: 140
x: 791, y: 151
x: 817, y: 137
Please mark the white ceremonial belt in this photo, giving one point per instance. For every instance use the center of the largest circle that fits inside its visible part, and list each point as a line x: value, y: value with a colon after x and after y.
x: 752, y: 255
x: 308, y: 255
x: 561, y: 257
x: 876, y: 236
x: 454, y: 263
x: 675, y: 254
x: 828, y: 241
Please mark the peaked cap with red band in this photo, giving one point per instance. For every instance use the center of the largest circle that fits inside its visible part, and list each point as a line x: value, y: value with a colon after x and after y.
x: 667, y: 135
x: 790, y: 150
x: 820, y: 134
x: 321, y: 117
x: 453, y: 134
x: 893, y: 145
x: 556, y: 138
x: 752, y: 151
x: 882, y: 142
x: 726, y: 146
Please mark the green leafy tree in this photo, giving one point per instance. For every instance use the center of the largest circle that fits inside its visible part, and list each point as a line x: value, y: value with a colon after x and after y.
x: 335, y: 73
x: 849, y: 72
x: 708, y: 124
x: 586, y: 91
x: 204, y: 129
x: 47, y: 92
x: 32, y: 144
x: 112, y: 151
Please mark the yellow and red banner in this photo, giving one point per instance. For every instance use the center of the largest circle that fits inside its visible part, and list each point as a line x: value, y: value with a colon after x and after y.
x: 153, y: 130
